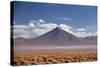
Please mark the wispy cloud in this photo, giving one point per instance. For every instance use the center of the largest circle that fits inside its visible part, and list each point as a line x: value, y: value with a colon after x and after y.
x: 81, y: 29
x: 65, y: 18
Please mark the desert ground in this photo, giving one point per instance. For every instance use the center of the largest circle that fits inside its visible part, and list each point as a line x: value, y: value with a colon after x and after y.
x: 54, y: 56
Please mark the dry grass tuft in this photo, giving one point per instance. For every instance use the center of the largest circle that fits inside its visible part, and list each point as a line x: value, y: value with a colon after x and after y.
x: 52, y: 58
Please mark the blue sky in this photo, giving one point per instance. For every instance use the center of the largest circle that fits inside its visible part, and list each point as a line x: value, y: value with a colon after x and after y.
x: 73, y: 15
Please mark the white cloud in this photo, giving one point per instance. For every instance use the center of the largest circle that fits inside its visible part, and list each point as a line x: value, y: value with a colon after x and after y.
x: 85, y: 34
x: 31, y: 24
x: 48, y: 25
x: 32, y: 30
x: 81, y: 29
x: 64, y: 26
x: 20, y: 26
x: 64, y: 18
x: 33, y: 21
x: 36, y: 28
x: 79, y: 32
x: 41, y: 20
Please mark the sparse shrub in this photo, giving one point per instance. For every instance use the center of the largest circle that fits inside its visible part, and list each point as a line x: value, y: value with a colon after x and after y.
x: 52, y: 58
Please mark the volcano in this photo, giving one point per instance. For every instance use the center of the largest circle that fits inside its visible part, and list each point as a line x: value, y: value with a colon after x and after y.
x: 58, y: 34
x: 55, y: 37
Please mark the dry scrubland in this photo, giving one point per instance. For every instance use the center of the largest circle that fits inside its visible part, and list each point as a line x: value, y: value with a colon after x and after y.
x: 30, y: 58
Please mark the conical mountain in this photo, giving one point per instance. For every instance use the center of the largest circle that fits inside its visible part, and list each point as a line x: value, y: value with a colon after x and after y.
x: 55, y: 37
x: 58, y: 34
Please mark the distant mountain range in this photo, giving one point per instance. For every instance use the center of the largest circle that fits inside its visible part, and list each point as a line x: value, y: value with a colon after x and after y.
x: 56, y: 37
